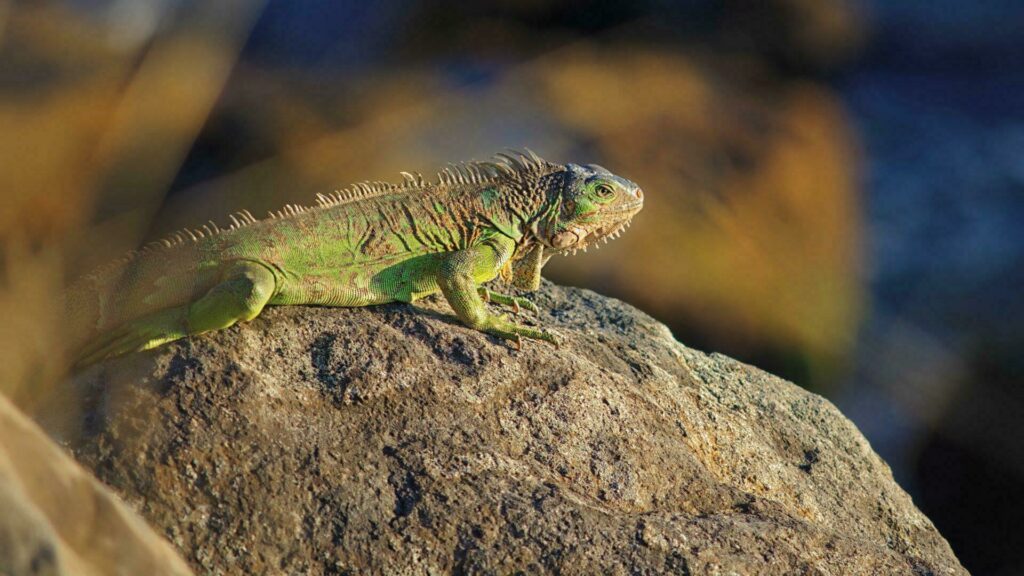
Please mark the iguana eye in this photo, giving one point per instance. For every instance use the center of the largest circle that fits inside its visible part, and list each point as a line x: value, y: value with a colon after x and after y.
x: 604, y: 191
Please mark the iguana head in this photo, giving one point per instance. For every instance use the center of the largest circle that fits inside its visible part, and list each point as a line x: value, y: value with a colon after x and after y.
x: 593, y: 205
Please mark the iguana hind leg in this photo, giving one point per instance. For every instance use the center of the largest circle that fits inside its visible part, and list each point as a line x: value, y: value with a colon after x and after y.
x: 240, y: 296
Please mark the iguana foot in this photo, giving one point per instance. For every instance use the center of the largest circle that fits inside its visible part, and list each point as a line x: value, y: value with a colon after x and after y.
x: 517, y: 303
x: 502, y: 327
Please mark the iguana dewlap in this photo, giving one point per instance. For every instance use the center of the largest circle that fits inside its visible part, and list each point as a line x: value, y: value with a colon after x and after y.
x: 370, y: 244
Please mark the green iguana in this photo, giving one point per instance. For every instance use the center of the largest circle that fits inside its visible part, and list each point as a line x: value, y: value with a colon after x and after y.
x: 370, y: 244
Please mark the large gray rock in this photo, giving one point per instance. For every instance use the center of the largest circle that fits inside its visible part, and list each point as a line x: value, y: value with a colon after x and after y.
x: 387, y: 440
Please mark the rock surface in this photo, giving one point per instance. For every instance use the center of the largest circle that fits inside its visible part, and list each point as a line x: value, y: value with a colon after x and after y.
x: 56, y: 519
x: 385, y: 440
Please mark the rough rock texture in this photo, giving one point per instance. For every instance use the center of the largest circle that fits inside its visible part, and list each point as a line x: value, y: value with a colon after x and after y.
x: 383, y: 440
x: 56, y: 519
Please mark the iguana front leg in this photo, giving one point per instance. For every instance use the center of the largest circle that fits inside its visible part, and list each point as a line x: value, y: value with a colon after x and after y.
x: 524, y: 273
x: 459, y: 274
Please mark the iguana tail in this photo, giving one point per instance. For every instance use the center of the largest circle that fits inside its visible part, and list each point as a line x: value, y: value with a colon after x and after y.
x: 120, y: 293
x: 152, y: 302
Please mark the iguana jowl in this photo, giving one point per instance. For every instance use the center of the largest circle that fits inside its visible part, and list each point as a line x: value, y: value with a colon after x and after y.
x: 370, y: 244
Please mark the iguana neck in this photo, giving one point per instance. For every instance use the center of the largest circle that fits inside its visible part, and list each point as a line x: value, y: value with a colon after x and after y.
x: 523, y: 209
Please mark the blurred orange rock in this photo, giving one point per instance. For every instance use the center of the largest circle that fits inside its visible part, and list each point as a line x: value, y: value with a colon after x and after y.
x: 751, y: 229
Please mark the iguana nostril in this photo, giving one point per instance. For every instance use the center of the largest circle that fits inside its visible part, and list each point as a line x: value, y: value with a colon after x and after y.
x: 639, y: 194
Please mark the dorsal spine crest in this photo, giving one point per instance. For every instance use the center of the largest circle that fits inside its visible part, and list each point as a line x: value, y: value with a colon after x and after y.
x: 512, y: 164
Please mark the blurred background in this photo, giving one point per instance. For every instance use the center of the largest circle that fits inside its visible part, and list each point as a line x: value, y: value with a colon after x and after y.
x: 835, y: 188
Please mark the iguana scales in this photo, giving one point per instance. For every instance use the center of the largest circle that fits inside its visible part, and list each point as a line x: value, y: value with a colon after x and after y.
x: 370, y: 244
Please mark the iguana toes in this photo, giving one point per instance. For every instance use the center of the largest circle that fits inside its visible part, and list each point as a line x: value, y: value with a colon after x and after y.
x: 370, y: 244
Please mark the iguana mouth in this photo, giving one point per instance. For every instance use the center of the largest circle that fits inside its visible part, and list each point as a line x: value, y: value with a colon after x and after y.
x: 594, y: 238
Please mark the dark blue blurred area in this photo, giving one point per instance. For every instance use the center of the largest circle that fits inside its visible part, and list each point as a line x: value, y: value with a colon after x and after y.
x: 329, y: 37
x: 946, y: 35
x: 940, y: 104
x: 939, y: 100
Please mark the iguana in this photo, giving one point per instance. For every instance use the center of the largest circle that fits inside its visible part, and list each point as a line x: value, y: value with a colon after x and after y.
x: 369, y: 244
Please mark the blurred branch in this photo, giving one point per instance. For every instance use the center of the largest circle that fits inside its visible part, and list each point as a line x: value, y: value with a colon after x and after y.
x: 91, y: 125
x: 161, y: 112
x: 5, y: 14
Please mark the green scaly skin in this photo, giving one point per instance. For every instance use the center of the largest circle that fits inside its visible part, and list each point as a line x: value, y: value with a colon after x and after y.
x: 371, y: 244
